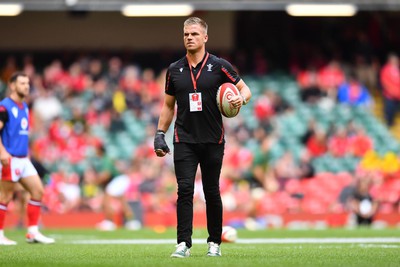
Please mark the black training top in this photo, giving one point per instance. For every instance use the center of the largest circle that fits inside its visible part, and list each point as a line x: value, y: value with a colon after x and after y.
x: 202, y: 126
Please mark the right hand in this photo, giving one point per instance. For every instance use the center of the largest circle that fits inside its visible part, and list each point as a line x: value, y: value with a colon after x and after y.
x: 160, y: 146
x: 5, y: 157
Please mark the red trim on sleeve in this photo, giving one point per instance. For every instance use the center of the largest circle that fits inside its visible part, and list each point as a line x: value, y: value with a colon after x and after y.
x: 228, y: 74
x: 167, y: 83
x: 222, y: 136
x: 176, y: 135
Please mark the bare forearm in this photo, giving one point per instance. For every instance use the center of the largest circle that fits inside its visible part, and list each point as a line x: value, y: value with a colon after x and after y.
x: 244, y: 90
x: 166, y: 116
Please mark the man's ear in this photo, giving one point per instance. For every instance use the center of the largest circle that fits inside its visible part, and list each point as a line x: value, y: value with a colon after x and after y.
x: 205, y: 38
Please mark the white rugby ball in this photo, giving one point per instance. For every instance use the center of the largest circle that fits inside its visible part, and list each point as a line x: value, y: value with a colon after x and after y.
x: 225, y: 93
x: 229, y: 234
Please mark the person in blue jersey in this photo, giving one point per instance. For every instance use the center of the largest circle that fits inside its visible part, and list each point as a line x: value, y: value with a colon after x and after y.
x: 192, y: 83
x: 15, y: 164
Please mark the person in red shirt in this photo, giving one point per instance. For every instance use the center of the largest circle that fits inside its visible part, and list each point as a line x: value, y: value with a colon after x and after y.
x: 339, y: 143
x: 390, y: 82
x: 330, y: 77
x: 317, y: 143
x: 360, y: 143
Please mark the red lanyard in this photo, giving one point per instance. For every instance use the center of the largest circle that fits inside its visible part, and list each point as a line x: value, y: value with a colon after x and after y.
x: 194, y: 80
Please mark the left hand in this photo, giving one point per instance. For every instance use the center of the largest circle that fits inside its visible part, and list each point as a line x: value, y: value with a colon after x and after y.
x: 236, y: 101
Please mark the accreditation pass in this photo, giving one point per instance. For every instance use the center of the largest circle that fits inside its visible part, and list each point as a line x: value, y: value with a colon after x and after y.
x: 195, y: 102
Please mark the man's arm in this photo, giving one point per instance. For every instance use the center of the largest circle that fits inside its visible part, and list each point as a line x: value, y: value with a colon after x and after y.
x: 244, y: 97
x: 244, y: 91
x: 4, y: 155
x: 167, y: 113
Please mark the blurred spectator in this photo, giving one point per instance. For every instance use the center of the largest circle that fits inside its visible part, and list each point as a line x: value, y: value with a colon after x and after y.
x: 306, y: 169
x: 262, y: 175
x: 339, y: 142
x: 344, y: 200
x: 114, y: 71
x: 362, y: 204
x: 367, y: 72
x: 390, y: 82
x: 95, y: 71
x: 105, y: 171
x: 317, y: 143
x: 330, y: 77
x: 307, y: 81
x: 352, y: 92
x: 131, y: 85
x: 54, y: 76
x: 46, y: 106
x: 237, y: 160
x: 360, y: 143
x: 286, y: 168
x: 264, y: 106
x: 76, y: 80
x: 9, y: 68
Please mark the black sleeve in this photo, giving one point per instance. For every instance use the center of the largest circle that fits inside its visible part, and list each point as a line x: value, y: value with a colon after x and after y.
x: 3, y: 114
x: 229, y: 73
x: 169, y: 86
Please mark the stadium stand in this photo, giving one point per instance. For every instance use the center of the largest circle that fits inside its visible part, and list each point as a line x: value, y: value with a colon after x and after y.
x: 114, y: 101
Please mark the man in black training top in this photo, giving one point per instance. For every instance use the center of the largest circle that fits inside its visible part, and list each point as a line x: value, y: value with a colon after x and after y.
x: 192, y: 82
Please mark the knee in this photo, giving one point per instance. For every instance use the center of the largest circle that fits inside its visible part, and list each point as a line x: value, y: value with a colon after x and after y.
x: 37, y: 194
x: 212, y: 192
x: 185, y: 189
x: 6, y: 197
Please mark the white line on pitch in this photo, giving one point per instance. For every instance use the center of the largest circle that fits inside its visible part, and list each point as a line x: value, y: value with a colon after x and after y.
x: 344, y: 240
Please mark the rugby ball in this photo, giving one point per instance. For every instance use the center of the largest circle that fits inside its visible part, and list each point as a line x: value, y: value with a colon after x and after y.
x: 225, y: 93
x: 229, y: 234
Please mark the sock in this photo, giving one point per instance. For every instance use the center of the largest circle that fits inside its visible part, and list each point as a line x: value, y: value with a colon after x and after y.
x: 33, y: 211
x: 3, y: 211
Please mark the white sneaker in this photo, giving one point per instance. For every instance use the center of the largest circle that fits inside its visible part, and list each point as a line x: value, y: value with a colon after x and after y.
x: 106, y: 225
x: 38, y: 238
x: 214, y: 250
x: 133, y: 225
x: 4, y: 241
x: 182, y: 251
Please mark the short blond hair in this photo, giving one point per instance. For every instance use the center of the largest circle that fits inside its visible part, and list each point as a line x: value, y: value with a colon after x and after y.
x: 198, y: 21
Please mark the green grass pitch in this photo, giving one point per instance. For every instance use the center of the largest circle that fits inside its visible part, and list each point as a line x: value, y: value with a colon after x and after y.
x: 332, y: 247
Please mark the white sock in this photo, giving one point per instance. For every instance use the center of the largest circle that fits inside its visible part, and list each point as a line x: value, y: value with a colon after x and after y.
x: 1, y: 233
x: 33, y: 229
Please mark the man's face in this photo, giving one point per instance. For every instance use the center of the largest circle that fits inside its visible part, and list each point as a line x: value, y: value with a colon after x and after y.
x: 21, y: 86
x: 194, y: 37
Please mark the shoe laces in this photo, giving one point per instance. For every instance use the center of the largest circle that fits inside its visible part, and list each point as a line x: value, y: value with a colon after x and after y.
x: 181, y: 247
x: 213, y: 247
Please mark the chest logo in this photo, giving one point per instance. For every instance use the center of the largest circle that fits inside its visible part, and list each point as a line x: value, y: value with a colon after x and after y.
x: 14, y: 111
x: 209, y: 67
x: 24, y: 123
x: 181, y: 69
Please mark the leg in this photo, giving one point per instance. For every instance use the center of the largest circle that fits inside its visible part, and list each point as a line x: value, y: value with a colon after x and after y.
x: 34, y: 186
x: 130, y: 220
x: 6, y: 194
x: 186, y: 162
x: 115, y: 189
x: 211, y: 163
x: 390, y: 107
x: 21, y: 199
x: 126, y: 209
